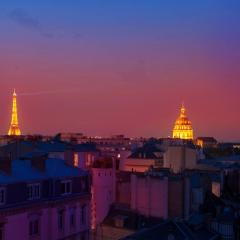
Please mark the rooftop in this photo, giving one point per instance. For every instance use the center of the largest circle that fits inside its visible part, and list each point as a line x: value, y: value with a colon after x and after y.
x: 22, y: 170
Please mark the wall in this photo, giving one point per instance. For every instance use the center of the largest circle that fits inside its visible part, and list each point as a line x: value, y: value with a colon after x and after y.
x: 137, y: 165
x: 149, y: 195
x: 176, y: 198
x: 17, y: 223
x: 103, y: 193
x: 179, y: 158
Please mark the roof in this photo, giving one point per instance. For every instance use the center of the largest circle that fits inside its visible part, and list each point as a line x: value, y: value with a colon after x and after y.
x: 52, y: 146
x: 148, y: 151
x: 171, y: 230
x: 132, y: 220
x: 232, y: 162
x: 207, y: 139
x: 55, y: 168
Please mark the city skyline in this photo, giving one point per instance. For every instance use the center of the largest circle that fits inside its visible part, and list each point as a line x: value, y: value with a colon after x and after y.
x: 181, y: 127
x: 124, y: 71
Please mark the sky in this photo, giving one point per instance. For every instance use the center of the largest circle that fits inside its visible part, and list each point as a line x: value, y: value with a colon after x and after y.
x: 108, y: 67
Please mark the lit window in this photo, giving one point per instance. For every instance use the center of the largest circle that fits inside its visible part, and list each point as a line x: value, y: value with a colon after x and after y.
x: 34, y: 227
x: 2, y: 196
x: 66, y: 187
x: 33, y: 191
x: 75, y: 163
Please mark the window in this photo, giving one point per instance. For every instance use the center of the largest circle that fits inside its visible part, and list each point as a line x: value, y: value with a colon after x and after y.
x: 75, y: 161
x: 66, y: 187
x: 83, y: 214
x: 34, y: 227
x: 72, y: 218
x: 1, y: 231
x: 61, y: 220
x: 88, y: 160
x: 33, y: 191
x: 2, y: 196
x: 83, y: 184
x: 83, y: 236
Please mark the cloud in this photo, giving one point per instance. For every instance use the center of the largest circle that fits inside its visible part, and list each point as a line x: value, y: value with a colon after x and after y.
x: 134, y: 71
x: 27, y: 21
x: 50, y: 92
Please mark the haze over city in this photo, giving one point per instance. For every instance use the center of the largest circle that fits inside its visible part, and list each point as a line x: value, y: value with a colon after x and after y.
x: 119, y: 67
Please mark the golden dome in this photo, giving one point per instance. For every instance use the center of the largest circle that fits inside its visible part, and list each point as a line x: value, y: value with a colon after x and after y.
x: 183, y: 127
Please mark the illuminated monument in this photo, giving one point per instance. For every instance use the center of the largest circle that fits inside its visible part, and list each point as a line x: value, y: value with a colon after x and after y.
x: 14, y: 129
x: 183, y: 127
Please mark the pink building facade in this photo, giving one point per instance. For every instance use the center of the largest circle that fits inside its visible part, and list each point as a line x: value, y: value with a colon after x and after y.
x: 42, y: 198
x: 103, y: 193
x: 149, y: 195
x: 57, y: 221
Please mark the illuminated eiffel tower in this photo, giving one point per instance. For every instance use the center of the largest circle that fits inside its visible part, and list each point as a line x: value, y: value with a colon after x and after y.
x: 14, y: 129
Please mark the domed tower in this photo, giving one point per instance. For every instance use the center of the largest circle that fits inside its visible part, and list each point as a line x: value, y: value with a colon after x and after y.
x: 183, y: 127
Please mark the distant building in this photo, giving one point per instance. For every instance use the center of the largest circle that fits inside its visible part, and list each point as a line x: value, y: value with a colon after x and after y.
x: 72, y: 137
x: 142, y: 159
x: 179, y: 158
x: 43, y: 198
x: 183, y: 127
x: 206, y: 142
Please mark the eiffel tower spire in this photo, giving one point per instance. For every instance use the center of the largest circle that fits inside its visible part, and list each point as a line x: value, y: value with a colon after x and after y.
x: 14, y: 129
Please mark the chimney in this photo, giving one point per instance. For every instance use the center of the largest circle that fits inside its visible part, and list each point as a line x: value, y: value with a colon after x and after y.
x: 6, y: 165
x: 69, y: 156
x: 39, y: 162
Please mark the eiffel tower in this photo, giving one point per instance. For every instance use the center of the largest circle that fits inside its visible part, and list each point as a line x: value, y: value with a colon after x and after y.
x: 14, y: 129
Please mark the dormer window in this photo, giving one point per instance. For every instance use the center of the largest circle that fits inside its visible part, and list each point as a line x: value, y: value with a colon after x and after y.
x: 75, y: 160
x: 83, y: 185
x: 2, y: 195
x: 33, y: 191
x: 66, y: 187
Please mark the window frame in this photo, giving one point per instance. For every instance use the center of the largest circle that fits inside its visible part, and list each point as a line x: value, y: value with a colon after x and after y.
x: 83, y: 214
x: 34, y: 224
x: 65, y: 182
x: 2, y: 231
x: 2, y: 195
x: 61, y: 212
x: 33, y: 195
x: 72, y: 218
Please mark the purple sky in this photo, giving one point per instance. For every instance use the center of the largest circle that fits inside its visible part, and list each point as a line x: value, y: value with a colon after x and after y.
x: 114, y: 67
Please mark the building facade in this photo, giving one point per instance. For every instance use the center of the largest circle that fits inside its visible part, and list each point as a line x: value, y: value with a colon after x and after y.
x: 43, y: 199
